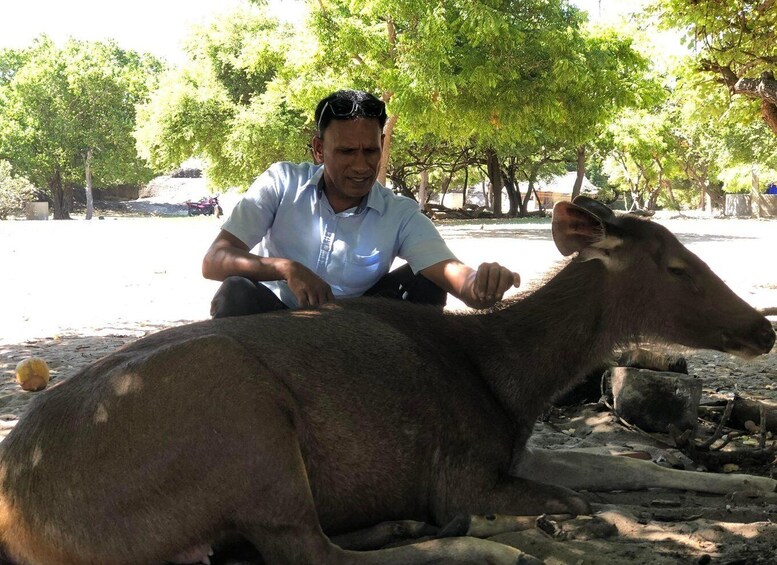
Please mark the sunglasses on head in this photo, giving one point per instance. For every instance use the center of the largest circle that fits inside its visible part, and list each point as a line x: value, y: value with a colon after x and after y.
x: 343, y: 109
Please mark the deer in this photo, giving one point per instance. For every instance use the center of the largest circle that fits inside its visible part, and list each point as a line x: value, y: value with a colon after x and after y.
x: 292, y: 428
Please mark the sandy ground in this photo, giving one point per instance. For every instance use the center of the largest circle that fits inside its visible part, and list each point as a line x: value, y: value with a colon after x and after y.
x: 79, y: 277
x: 75, y: 291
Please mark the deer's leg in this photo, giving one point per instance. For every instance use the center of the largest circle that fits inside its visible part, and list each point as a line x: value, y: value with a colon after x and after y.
x: 284, y: 527
x: 589, y: 471
x: 481, y: 491
x: 520, y: 496
x: 282, y: 522
x: 384, y: 534
x: 453, y: 551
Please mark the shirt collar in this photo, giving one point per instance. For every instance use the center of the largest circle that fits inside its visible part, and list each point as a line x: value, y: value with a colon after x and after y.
x: 374, y: 198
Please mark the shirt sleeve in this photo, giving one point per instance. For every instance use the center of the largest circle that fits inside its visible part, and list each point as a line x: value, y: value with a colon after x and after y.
x: 421, y: 245
x: 254, y: 214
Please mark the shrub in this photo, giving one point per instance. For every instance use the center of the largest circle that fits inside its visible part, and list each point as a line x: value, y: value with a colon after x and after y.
x: 14, y: 191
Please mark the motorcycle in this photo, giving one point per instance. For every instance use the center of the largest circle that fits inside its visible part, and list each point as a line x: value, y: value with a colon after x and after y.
x: 207, y: 206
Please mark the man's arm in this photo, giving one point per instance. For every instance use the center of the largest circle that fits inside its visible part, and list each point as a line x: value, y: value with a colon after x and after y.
x: 477, y: 289
x: 229, y: 256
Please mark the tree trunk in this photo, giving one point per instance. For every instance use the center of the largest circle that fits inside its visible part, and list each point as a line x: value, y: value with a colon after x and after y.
x: 422, y: 189
x: 384, y: 161
x: 666, y: 183
x: 513, y: 194
x: 495, y: 174
x: 652, y: 202
x: 388, y: 132
x: 702, y: 196
x: 670, y: 192
x: 464, y: 192
x: 540, y: 205
x: 764, y: 89
x: 388, y: 129
x: 755, y: 192
x: 769, y: 114
x: 58, y: 196
x: 70, y: 197
x: 525, y: 199
x: 446, y: 183
x: 534, y: 172
x: 580, y: 151
x: 88, y: 188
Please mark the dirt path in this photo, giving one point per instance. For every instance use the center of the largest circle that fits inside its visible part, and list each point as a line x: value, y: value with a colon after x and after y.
x: 76, y: 291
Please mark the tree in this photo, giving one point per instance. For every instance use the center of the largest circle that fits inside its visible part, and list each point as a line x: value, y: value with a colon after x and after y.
x: 594, y: 75
x: 643, y: 158
x: 715, y: 133
x: 485, y: 75
x: 428, y: 163
x: 68, y: 115
x: 496, y: 74
x: 228, y: 105
x: 610, y: 76
x: 735, y: 42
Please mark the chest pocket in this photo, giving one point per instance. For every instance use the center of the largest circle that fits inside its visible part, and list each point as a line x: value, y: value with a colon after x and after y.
x: 363, y: 270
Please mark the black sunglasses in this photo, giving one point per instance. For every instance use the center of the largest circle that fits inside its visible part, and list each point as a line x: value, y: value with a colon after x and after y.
x: 343, y: 109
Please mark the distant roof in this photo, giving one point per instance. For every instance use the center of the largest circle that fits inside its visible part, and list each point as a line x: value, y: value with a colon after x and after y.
x: 563, y: 184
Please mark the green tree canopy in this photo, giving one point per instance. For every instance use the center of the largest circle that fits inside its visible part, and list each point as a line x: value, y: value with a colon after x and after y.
x: 228, y: 105
x: 67, y: 114
x: 498, y: 77
x: 734, y: 42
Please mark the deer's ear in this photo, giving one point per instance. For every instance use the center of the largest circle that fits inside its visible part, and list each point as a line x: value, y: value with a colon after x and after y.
x: 583, y: 230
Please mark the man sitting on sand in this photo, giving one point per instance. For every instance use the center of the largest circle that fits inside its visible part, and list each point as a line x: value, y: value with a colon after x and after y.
x: 329, y: 230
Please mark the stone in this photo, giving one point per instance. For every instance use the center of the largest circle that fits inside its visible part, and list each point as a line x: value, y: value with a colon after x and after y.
x: 652, y: 400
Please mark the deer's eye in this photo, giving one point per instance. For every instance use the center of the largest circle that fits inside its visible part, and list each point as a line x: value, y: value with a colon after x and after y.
x: 682, y: 274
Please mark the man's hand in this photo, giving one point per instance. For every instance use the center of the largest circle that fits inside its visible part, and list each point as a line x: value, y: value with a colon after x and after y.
x: 477, y: 289
x: 487, y: 285
x: 229, y: 256
x: 492, y: 280
x: 308, y: 288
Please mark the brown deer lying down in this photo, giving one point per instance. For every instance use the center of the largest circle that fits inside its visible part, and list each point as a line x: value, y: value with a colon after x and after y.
x: 287, y: 426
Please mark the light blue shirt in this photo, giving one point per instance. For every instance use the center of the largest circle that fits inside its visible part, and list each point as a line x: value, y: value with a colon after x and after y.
x: 286, y: 214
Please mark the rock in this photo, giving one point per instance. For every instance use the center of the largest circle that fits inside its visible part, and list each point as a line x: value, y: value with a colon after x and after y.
x: 654, y: 400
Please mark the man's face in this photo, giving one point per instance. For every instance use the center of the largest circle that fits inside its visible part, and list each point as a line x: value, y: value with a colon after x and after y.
x: 350, y: 151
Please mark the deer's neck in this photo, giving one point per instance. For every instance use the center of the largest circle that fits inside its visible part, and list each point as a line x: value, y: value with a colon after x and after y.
x: 545, y: 342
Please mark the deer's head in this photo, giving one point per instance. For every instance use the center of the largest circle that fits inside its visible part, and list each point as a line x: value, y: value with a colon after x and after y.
x: 671, y: 294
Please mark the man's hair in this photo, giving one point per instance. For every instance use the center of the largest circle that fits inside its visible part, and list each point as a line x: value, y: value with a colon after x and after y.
x: 349, y: 105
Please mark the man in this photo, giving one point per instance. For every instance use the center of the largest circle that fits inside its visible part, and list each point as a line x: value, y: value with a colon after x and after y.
x: 327, y: 231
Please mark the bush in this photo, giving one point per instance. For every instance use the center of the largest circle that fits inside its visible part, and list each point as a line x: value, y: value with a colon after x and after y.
x: 739, y: 180
x: 14, y: 191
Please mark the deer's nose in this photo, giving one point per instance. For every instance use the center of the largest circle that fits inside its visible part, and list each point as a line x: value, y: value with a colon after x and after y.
x: 765, y: 335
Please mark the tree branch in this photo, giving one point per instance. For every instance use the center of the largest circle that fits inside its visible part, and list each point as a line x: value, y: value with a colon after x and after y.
x: 392, y: 37
x: 763, y: 88
x: 727, y: 76
x: 765, y: 6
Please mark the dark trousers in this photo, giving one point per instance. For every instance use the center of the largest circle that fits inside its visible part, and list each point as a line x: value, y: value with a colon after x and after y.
x: 241, y: 296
